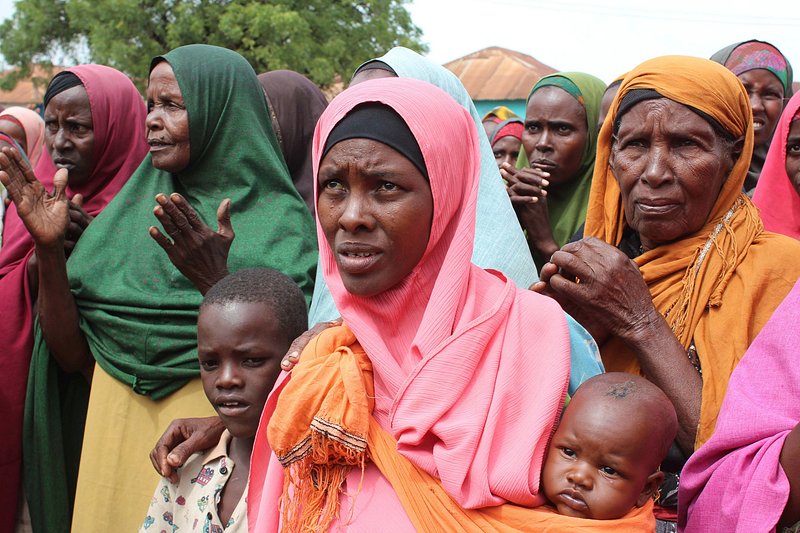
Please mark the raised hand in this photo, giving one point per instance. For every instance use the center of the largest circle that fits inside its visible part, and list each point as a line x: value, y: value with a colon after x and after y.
x: 78, y: 222
x: 527, y: 189
x: 45, y: 215
x: 200, y: 253
x: 600, y: 287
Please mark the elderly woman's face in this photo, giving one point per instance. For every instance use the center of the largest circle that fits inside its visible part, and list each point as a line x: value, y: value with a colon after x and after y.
x: 375, y: 208
x: 766, y: 99
x: 793, y: 154
x: 555, y: 133
x: 670, y: 165
x: 69, y: 133
x: 167, y: 121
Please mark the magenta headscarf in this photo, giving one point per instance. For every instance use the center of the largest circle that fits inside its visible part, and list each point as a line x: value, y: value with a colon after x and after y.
x: 33, y: 125
x: 775, y: 196
x: 470, y: 371
x: 735, y: 481
x: 118, y: 116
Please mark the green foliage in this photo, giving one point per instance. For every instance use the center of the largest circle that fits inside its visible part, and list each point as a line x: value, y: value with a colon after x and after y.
x: 318, y: 38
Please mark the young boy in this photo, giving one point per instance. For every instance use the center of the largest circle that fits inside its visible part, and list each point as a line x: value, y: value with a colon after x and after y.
x: 246, y: 324
x: 604, y: 459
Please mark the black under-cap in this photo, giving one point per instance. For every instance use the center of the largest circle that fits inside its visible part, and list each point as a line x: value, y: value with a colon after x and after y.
x: 381, y: 123
x: 61, y: 82
x: 635, y: 96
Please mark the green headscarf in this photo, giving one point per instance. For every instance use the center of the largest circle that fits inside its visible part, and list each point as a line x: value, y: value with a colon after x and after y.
x: 138, y: 312
x: 566, y: 206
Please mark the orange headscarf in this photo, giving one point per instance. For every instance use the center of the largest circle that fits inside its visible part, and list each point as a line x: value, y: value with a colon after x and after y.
x: 718, y: 286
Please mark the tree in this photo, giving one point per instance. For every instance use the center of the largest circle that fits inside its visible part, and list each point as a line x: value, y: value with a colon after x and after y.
x: 318, y: 38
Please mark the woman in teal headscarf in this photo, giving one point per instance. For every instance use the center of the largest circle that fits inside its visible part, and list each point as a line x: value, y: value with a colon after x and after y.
x: 550, y: 186
x: 121, y: 302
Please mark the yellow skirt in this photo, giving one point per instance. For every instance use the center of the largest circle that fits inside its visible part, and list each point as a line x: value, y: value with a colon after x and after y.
x: 116, y: 479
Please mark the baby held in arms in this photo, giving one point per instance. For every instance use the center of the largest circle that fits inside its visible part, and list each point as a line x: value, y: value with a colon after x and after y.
x: 605, y: 457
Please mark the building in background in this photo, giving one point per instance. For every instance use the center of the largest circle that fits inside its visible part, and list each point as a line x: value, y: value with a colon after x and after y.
x: 497, y: 76
x: 29, y: 92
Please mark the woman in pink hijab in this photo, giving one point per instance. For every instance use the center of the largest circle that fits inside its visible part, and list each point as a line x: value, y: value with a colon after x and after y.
x: 27, y: 128
x: 95, y: 129
x: 469, y: 371
x: 777, y: 194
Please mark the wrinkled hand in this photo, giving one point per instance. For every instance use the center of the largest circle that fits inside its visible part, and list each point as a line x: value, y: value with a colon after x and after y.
x: 293, y: 355
x: 78, y: 222
x: 200, y: 253
x: 182, y: 438
x: 46, y: 216
x: 527, y: 190
x: 600, y: 287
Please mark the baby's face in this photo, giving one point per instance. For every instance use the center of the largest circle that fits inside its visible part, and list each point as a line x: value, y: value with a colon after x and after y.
x: 598, y: 462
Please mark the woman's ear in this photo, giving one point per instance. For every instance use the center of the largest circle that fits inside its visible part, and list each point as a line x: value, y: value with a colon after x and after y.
x: 654, y: 481
x: 736, y: 149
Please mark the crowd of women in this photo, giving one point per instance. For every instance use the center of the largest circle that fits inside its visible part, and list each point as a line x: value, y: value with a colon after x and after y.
x: 467, y: 273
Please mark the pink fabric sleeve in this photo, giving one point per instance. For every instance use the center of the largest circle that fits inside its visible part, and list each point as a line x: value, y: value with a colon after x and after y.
x: 735, y: 482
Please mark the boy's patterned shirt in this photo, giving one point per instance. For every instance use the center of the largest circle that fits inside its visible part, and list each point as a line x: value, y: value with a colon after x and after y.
x: 191, y: 504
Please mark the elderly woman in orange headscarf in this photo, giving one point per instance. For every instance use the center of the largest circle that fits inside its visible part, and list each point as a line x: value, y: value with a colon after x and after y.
x: 675, y: 275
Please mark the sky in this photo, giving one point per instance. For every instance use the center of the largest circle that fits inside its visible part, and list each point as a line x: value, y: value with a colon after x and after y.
x: 604, y: 37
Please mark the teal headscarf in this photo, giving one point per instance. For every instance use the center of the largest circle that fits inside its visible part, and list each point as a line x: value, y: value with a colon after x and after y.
x: 567, y: 205
x: 138, y: 312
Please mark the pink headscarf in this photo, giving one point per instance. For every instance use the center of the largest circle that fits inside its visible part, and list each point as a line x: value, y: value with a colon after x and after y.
x: 118, y: 116
x: 33, y: 125
x: 470, y: 371
x: 775, y: 196
x: 735, y: 482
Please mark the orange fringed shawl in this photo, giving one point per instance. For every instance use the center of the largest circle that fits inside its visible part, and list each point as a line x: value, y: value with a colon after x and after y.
x: 323, y: 427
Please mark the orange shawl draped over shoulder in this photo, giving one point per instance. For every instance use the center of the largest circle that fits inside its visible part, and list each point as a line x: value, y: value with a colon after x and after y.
x: 719, y: 286
x: 323, y: 426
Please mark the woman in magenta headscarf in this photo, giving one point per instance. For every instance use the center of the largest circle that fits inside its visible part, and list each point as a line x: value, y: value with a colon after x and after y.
x: 777, y: 194
x: 449, y: 348
x: 95, y: 129
x: 746, y: 478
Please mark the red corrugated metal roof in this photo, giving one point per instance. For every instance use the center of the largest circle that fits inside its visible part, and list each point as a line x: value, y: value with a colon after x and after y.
x: 498, y: 73
x: 29, y: 91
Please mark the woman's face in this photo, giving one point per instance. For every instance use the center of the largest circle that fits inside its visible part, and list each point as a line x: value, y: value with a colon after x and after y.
x: 69, y: 134
x: 506, y: 150
x: 375, y: 209
x: 605, y: 104
x: 766, y: 99
x: 793, y: 154
x: 15, y: 131
x: 670, y: 165
x: 555, y: 133
x: 167, y: 121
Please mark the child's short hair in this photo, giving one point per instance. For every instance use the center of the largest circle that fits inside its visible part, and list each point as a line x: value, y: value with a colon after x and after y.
x: 267, y: 286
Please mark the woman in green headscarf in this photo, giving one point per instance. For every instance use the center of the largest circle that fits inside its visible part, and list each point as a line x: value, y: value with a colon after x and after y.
x: 550, y: 186
x: 120, y: 301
